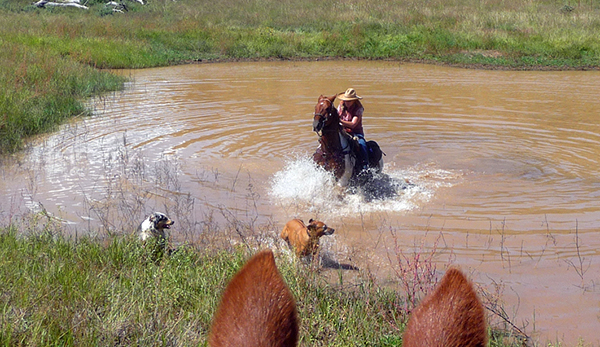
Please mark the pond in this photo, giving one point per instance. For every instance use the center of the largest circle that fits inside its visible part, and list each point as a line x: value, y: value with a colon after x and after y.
x: 496, y: 171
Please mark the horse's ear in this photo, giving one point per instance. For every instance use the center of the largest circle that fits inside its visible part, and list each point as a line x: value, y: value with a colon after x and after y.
x: 452, y: 315
x: 331, y: 98
x: 257, y: 308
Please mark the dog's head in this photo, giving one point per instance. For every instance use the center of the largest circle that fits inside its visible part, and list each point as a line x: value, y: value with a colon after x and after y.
x: 317, y: 228
x: 160, y: 221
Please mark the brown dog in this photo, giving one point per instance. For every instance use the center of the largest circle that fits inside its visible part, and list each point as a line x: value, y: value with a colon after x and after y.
x: 305, y: 239
x: 451, y: 316
x: 257, y: 308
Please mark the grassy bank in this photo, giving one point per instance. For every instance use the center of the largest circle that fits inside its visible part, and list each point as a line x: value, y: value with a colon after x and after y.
x: 49, y: 56
x: 509, y: 33
x: 40, y: 89
x: 111, y: 292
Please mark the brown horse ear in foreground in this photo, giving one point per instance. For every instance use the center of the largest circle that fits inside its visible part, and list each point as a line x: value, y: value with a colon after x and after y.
x: 451, y: 316
x: 257, y: 308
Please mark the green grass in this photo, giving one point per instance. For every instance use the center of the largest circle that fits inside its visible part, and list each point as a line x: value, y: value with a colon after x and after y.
x: 57, y: 292
x: 49, y: 57
x: 113, y: 292
x: 41, y: 89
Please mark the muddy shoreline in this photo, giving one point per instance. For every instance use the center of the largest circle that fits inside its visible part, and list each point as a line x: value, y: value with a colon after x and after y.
x: 474, y: 66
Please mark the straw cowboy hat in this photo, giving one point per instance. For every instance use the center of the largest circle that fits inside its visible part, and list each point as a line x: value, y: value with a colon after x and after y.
x: 350, y: 94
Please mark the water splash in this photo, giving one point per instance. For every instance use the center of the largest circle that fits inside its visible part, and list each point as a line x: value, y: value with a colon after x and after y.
x: 303, y: 184
x: 301, y: 179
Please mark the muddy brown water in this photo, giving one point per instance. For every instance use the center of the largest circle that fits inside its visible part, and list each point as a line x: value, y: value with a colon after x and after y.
x: 504, y: 170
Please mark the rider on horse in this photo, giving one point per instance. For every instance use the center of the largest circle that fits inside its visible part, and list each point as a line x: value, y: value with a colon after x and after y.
x: 351, y: 110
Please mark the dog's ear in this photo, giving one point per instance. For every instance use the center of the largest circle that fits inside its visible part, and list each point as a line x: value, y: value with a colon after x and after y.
x: 310, y: 221
x: 152, y: 217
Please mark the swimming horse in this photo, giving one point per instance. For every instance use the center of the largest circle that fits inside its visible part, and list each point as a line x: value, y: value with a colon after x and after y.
x: 338, y: 151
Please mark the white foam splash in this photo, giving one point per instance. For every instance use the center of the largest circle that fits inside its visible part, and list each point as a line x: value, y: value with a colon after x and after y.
x: 304, y: 184
x: 302, y: 179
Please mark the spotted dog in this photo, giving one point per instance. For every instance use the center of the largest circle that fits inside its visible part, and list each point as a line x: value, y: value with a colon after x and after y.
x: 155, y: 226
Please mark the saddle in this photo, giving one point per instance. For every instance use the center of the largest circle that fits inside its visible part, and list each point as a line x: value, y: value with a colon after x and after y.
x: 375, y: 153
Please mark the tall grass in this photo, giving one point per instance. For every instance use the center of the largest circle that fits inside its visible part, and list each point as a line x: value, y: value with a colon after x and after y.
x: 525, y: 34
x: 41, y: 89
x: 45, y: 52
x: 58, y: 291
x: 178, y: 29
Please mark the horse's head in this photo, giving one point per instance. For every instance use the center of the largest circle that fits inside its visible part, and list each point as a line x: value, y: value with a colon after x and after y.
x: 325, y: 114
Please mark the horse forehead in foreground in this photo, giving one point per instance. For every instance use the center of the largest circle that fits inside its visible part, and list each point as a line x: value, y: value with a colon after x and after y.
x: 257, y: 308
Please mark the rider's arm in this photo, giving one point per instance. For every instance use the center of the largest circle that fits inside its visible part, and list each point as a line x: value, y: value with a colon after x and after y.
x: 355, y: 121
x: 351, y: 124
